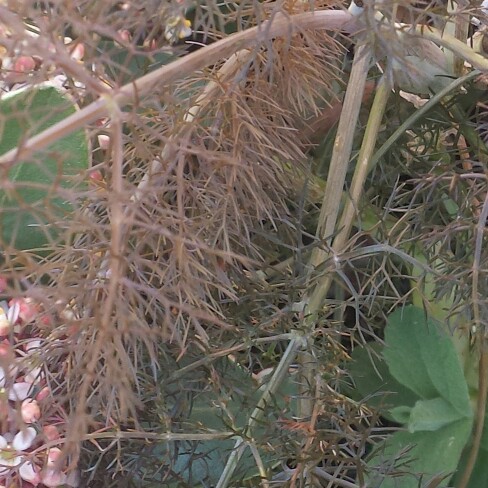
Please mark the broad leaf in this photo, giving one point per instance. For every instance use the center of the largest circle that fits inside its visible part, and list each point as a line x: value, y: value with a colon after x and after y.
x: 421, y: 356
x: 432, y: 415
x: 373, y: 382
x: 33, y: 199
x: 427, y: 452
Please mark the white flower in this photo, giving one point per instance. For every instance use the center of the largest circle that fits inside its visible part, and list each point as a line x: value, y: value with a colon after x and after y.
x: 28, y: 472
x: 11, y: 454
x: 51, y: 476
x: 8, y: 317
x: 20, y: 391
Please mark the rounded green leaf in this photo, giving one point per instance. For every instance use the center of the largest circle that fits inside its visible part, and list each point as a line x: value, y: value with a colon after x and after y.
x: 427, y: 453
x: 432, y: 415
x: 33, y: 197
x: 374, y: 383
x: 421, y: 356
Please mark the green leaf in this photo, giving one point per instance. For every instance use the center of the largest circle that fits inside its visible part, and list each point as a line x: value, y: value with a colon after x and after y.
x: 431, y: 415
x: 425, y: 452
x: 373, y: 382
x: 421, y: 356
x: 401, y: 414
x: 33, y: 200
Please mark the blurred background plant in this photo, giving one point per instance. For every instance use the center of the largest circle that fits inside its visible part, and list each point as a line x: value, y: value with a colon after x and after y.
x: 232, y: 221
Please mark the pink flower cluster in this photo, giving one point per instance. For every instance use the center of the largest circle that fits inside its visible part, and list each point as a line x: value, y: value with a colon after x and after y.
x: 24, y: 431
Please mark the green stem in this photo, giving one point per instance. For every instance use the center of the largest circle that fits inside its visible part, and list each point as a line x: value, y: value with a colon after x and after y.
x: 341, y: 153
x: 272, y: 386
x: 482, y: 337
x: 361, y: 171
x: 329, y: 212
x: 437, y: 98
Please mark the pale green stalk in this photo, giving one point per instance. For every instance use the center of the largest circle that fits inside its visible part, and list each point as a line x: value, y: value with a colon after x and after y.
x: 457, y: 26
x: 449, y: 42
x: 270, y: 390
x: 341, y: 154
x: 363, y: 166
x: 329, y: 212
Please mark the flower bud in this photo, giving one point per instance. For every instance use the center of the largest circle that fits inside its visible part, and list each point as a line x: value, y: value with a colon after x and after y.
x: 30, y: 411
x: 51, y: 432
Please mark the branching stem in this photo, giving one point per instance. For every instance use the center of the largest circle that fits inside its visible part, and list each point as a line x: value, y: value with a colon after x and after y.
x: 280, y: 25
x: 363, y: 166
x: 481, y: 335
x: 271, y: 388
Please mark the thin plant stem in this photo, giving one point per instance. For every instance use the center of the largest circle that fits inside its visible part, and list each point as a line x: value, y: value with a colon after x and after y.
x: 210, y: 357
x: 341, y: 153
x: 143, y: 436
x: 457, y: 26
x: 331, y: 203
x: 271, y: 388
x: 362, y: 169
x: 260, y: 465
x: 165, y: 436
x: 481, y: 334
x: 449, y: 42
x: 306, y: 468
x: 419, y: 113
x: 114, y: 271
x: 329, y: 213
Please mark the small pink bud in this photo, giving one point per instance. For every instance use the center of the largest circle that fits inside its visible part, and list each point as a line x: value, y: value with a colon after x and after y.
x: 125, y: 35
x: 24, y: 64
x: 52, y: 478
x: 30, y: 411
x: 43, y: 394
x: 6, y: 349
x: 78, y: 52
x: 103, y: 141
x: 46, y: 320
x: 95, y: 175
x: 53, y: 456
x: 51, y: 432
x: 103, y: 122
